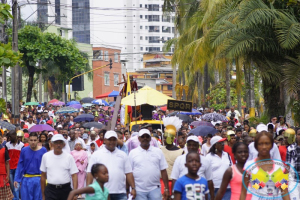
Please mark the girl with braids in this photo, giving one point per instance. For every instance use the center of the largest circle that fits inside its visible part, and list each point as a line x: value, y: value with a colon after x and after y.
x: 233, y: 175
x: 100, y: 173
x: 219, y: 160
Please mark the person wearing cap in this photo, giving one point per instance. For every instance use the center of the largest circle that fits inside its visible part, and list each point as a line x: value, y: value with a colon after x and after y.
x: 179, y: 168
x: 148, y: 164
x: 28, y: 170
x: 253, y: 153
x: 231, y: 141
x: 57, y: 167
x: 219, y: 161
x: 118, y: 165
x: 14, y: 148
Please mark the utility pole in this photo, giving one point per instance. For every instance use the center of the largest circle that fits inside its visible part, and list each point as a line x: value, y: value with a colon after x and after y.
x: 4, y: 40
x: 174, y: 67
x: 20, y: 68
x: 15, y: 70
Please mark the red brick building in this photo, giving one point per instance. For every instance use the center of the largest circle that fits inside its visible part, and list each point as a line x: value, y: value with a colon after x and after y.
x: 106, y: 79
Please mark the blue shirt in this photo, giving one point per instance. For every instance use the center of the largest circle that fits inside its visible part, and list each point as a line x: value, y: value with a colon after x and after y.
x: 29, y: 162
x: 191, y: 189
x: 123, y: 148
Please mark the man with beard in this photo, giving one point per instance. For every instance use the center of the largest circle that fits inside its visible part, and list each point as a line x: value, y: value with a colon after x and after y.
x: 14, y: 150
x: 28, y: 172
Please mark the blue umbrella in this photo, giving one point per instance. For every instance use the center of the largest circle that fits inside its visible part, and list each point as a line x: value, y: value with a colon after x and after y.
x: 112, y: 103
x: 84, y: 117
x: 114, y: 94
x: 72, y: 102
x: 194, y: 112
x: 100, y: 102
x: 203, y: 131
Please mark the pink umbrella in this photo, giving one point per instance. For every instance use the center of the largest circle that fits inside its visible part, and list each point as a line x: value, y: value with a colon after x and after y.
x: 52, y: 101
x: 58, y: 103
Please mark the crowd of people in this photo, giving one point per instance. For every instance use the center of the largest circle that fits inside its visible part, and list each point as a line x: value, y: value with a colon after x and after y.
x: 75, y: 162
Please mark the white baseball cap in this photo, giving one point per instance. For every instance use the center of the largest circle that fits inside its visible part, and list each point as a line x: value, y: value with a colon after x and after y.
x: 261, y: 127
x: 58, y: 137
x: 110, y: 134
x: 192, y: 138
x: 50, y: 133
x: 144, y: 131
x: 216, y: 139
x: 59, y: 126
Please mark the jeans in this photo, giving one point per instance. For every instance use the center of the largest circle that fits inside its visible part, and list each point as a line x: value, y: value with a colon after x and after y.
x: 12, y: 187
x: 152, y: 195
x: 226, y: 196
x: 121, y: 196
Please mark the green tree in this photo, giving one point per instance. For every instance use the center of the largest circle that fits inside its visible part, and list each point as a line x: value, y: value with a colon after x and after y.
x: 48, y: 47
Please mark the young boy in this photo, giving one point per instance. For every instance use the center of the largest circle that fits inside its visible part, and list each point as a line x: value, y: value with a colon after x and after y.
x: 191, y: 186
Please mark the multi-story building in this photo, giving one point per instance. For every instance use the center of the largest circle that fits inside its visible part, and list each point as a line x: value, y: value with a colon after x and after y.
x: 147, y: 29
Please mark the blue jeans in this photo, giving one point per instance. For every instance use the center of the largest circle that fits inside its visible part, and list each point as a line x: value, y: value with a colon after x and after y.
x: 226, y: 196
x: 12, y: 187
x: 121, y: 196
x: 152, y: 195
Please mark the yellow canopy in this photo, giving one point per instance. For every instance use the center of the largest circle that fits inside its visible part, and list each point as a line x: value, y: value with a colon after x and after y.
x: 146, y: 95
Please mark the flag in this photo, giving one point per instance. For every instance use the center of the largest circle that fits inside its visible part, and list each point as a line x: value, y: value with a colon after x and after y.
x: 128, y: 92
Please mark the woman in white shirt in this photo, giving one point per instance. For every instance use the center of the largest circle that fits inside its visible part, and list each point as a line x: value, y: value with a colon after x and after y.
x: 219, y: 162
x: 206, y: 146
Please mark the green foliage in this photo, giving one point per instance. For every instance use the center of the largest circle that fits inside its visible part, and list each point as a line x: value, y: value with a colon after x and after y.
x: 254, y: 121
x: 49, y: 48
x: 296, y: 111
x: 2, y: 106
x: 217, y: 95
x: 8, y: 57
x: 4, y: 13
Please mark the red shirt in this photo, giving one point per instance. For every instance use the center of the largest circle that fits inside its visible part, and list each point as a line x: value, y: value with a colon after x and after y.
x: 99, y: 142
x: 14, y: 153
x: 282, y: 151
x: 229, y: 151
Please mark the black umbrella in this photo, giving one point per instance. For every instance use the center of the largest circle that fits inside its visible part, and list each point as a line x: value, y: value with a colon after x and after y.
x: 87, y: 100
x: 84, y: 117
x: 93, y: 124
x: 185, y: 118
x: 204, y: 130
x: 7, y: 125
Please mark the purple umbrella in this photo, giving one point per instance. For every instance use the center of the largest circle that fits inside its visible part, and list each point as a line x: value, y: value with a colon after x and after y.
x: 77, y: 106
x: 58, y: 103
x: 41, y: 127
x: 201, y: 123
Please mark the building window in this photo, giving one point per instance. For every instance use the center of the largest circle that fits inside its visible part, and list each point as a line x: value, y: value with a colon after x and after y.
x: 153, y: 28
x: 153, y: 7
x: 146, y: 38
x: 106, y: 78
x: 116, y: 57
x: 145, y: 5
x: 141, y: 5
x: 98, y: 55
x: 153, y: 18
x: 116, y: 79
x: 170, y: 87
x: 141, y: 37
x: 146, y: 16
x: 166, y: 29
x: 154, y: 49
x: 141, y: 16
x: 106, y: 55
x: 141, y: 48
x: 173, y: 29
x: 141, y: 27
x: 173, y: 19
x: 154, y: 39
x: 146, y: 27
x: 146, y: 48
x: 166, y: 18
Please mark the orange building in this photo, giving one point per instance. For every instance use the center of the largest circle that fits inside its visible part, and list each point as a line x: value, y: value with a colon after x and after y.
x: 157, y: 73
x: 106, y: 79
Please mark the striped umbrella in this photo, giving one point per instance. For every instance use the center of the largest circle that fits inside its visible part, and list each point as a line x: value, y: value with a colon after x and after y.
x: 67, y: 109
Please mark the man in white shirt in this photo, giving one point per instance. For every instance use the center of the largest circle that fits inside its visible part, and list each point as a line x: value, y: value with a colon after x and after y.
x: 253, y: 153
x: 148, y: 164
x: 57, y: 167
x: 179, y: 168
x: 235, y: 112
x: 30, y: 122
x: 118, y: 166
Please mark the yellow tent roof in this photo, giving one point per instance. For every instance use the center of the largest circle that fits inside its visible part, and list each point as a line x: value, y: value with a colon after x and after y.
x: 146, y: 95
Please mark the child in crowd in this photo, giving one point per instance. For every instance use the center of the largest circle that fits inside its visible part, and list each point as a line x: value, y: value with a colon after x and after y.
x: 191, y: 186
x: 81, y: 159
x: 100, y: 173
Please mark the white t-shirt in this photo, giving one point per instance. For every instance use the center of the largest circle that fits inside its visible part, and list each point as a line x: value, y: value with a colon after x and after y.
x: 179, y: 168
x: 236, y: 112
x: 205, y: 149
x: 218, y: 167
x: 146, y: 167
x: 59, y: 168
x: 117, y: 164
x: 253, y: 153
x: 30, y: 125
